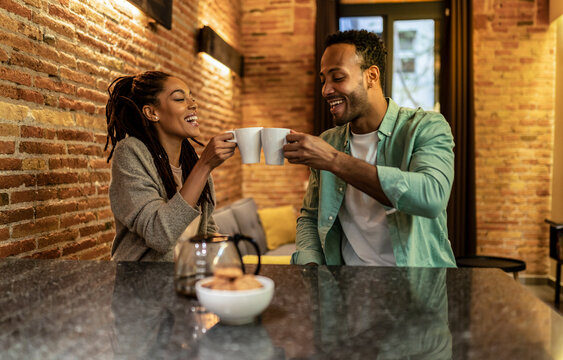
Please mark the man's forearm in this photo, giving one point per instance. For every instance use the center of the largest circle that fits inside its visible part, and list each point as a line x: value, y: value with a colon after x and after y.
x: 359, y: 174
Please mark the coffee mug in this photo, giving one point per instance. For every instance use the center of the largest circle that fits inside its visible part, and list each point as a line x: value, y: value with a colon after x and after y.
x: 249, y: 143
x: 273, y: 140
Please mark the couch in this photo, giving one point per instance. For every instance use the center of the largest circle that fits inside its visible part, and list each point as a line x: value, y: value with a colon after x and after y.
x: 242, y: 217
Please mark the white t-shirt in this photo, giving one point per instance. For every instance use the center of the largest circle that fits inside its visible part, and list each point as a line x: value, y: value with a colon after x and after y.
x: 363, y: 219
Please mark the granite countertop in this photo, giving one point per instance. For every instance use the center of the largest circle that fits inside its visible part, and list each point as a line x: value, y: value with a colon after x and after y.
x: 54, y: 309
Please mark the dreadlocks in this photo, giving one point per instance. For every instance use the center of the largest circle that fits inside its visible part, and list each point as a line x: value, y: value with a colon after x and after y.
x: 127, y: 96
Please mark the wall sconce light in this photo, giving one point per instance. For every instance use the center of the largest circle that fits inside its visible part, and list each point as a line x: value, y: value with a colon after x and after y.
x: 159, y: 10
x: 212, y: 44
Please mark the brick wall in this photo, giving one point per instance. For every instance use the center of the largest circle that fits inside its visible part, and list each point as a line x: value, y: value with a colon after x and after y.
x: 56, y: 61
x: 514, y: 101
x: 278, y: 42
x: 57, y: 58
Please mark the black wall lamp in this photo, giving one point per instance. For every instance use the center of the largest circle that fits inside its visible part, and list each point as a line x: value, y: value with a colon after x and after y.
x: 159, y: 10
x: 212, y: 44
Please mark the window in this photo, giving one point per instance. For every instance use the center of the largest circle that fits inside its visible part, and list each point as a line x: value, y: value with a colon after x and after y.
x: 411, y: 32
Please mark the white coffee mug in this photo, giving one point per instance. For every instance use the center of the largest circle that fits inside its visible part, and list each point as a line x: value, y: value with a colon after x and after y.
x: 249, y: 143
x: 273, y: 140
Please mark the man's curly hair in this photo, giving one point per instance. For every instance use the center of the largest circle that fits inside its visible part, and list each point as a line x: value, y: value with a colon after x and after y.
x: 369, y: 47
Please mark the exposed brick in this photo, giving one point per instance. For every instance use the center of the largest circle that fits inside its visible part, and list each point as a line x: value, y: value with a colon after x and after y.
x: 66, y: 14
x: 100, y: 252
x: 34, y: 164
x: 16, y: 247
x: 99, y: 164
x: 12, y: 112
x: 37, y: 132
x: 15, y: 76
x: 54, y: 209
x: 36, y: 227
x: 77, y: 219
x: 26, y: 61
x: 106, y: 238
x: 57, y: 237
x: 30, y: 95
x: 53, y: 117
x: 70, y: 163
x: 15, y: 215
x: 53, y: 253
x: 84, y: 150
x: 93, y: 229
x: 93, y: 95
x: 4, y: 199
x: 15, y: 8
x: 59, y: 27
x: 4, y: 233
x: 14, y: 181
x: 91, y: 122
x: 93, y: 203
x: 10, y: 164
x: 71, y: 192
x: 7, y: 147
x: 54, y: 85
x: 41, y: 148
x: 3, y: 55
x: 77, y: 76
x: 33, y: 195
x: 105, y: 214
x: 56, y: 178
x: 9, y: 91
x: 78, y: 245
x: 103, y: 190
x: 9, y: 130
x: 75, y: 135
x: 92, y: 42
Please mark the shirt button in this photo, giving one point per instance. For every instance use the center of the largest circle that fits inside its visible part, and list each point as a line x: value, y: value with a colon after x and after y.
x: 330, y: 217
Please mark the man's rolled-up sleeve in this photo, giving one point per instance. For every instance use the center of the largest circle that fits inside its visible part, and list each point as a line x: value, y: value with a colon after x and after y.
x: 309, y: 248
x: 422, y: 185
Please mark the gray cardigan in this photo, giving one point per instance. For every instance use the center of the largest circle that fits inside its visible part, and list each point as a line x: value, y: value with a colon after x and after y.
x: 147, y: 224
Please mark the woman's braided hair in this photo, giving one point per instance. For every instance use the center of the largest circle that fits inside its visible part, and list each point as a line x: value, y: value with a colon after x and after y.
x: 127, y: 96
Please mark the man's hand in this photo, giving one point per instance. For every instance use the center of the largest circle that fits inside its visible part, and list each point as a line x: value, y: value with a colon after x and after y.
x: 309, y: 150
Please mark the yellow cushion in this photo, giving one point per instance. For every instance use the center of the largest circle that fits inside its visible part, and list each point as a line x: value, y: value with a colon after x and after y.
x: 279, y: 225
x: 267, y: 259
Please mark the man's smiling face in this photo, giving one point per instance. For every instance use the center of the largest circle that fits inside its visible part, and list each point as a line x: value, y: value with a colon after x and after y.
x: 343, y: 83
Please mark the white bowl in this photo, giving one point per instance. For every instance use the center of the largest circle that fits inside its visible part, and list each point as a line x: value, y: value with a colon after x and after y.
x: 236, y: 307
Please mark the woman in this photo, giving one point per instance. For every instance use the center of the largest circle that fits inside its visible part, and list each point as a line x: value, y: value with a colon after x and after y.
x: 159, y: 187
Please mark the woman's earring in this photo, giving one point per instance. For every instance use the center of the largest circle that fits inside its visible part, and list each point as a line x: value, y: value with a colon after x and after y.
x: 156, y: 118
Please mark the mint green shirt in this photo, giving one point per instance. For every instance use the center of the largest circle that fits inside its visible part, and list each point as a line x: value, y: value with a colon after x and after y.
x: 415, y: 165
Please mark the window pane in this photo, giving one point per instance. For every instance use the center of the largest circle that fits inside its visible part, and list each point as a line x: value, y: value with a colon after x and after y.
x: 414, y: 74
x: 369, y: 23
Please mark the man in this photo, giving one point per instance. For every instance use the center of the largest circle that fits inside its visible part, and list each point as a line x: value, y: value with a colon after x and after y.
x: 381, y: 179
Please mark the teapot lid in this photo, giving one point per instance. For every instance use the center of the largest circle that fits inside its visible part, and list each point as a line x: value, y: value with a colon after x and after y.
x: 205, y: 238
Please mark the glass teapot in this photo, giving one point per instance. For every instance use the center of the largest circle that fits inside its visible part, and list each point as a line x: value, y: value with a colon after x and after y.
x: 197, y: 258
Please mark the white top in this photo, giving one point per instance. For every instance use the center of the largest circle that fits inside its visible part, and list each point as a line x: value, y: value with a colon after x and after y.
x: 363, y: 219
x: 191, y: 229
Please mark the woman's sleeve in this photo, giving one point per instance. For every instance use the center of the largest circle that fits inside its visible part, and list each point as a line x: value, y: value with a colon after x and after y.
x: 137, y: 203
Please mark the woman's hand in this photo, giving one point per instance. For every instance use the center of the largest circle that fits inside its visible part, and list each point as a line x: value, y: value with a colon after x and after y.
x: 217, y: 151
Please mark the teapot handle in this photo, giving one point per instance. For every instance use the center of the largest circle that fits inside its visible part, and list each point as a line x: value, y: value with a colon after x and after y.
x: 237, y: 238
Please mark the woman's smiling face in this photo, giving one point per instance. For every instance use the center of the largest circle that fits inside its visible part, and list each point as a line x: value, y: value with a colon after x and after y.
x: 176, y: 112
